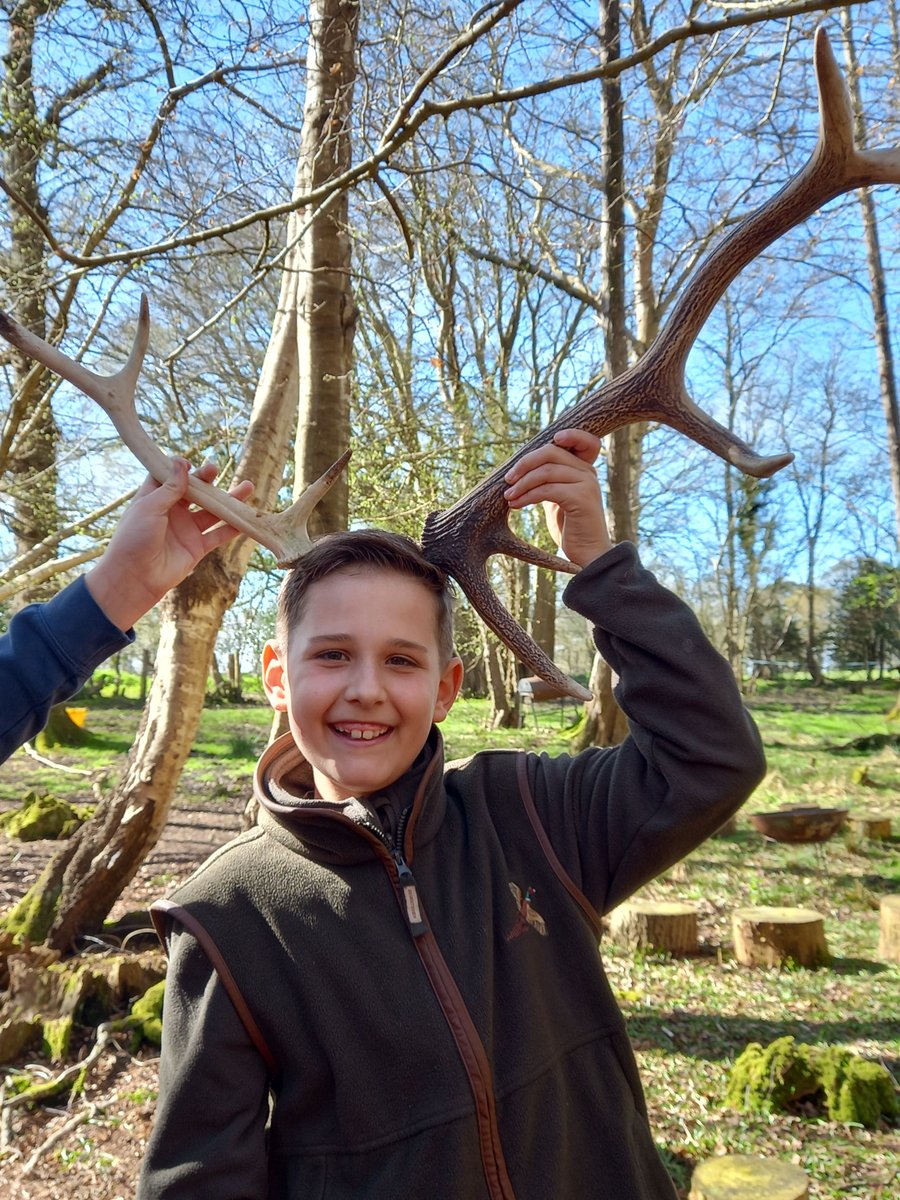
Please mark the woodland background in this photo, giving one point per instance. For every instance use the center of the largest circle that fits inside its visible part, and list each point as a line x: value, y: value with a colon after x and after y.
x: 423, y: 231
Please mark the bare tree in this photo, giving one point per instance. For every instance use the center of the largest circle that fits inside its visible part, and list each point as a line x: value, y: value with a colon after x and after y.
x: 82, y: 882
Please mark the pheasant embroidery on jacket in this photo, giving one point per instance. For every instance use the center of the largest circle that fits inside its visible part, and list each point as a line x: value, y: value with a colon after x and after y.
x: 528, y: 917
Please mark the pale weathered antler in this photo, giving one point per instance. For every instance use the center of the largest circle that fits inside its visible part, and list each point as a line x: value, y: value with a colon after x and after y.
x: 285, y: 533
x: 463, y: 537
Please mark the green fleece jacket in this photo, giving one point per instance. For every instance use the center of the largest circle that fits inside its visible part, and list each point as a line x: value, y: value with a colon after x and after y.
x: 403, y: 996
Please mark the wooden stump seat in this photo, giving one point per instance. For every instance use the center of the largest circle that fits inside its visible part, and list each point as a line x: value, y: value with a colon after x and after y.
x: 874, y: 826
x: 889, y: 935
x: 747, y: 1177
x: 769, y: 937
x: 655, y: 925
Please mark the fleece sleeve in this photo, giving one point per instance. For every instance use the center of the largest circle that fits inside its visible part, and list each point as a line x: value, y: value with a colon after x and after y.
x: 46, y: 655
x: 618, y: 817
x: 209, y: 1134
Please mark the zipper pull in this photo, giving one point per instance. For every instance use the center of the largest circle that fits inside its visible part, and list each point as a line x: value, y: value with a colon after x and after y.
x: 409, y: 894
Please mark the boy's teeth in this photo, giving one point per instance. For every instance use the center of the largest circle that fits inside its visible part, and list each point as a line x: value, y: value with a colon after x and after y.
x: 365, y: 735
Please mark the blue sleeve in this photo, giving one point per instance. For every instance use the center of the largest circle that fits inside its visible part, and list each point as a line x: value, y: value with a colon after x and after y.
x: 46, y: 655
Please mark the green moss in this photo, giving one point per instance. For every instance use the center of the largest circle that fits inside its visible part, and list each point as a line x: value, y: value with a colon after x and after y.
x: 866, y: 1094
x: 56, y: 1033
x: 41, y: 815
x: 145, y: 1017
x: 46, y: 1090
x: 147, y: 1011
x: 777, y: 1077
x: 31, y: 918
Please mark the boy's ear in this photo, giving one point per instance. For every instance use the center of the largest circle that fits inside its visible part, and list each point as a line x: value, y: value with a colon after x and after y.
x: 448, y: 689
x: 274, y: 677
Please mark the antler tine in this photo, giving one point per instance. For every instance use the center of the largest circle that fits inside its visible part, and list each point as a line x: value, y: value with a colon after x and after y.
x: 473, y: 579
x: 461, y: 538
x: 285, y: 534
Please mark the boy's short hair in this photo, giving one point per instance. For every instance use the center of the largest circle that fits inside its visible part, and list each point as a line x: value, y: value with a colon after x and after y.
x: 366, y: 549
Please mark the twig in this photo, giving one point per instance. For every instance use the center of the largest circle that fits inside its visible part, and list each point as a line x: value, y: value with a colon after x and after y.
x: 80, y: 1118
x: 104, y: 1037
x: 48, y: 762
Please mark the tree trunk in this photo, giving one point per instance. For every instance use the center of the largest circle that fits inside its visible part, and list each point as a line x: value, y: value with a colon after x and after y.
x: 327, y: 311
x: 604, y: 723
x: 878, y: 287
x: 80, y: 885
x: 504, y: 712
x: 543, y: 621
x: 33, y: 510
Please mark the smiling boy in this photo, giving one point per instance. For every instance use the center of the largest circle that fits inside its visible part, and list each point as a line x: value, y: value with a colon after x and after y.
x: 391, y: 987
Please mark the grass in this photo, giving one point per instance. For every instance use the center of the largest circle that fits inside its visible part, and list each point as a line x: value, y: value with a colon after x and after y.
x: 690, y: 1018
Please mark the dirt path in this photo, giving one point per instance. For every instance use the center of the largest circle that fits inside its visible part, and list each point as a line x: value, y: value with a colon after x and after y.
x: 91, y: 1149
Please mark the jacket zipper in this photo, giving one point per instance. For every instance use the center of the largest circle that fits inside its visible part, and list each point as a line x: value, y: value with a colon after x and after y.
x: 409, y: 893
x: 462, y: 1028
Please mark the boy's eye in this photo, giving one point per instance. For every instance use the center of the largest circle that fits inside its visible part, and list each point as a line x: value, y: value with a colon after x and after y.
x: 400, y: 660
x: 332, y: 655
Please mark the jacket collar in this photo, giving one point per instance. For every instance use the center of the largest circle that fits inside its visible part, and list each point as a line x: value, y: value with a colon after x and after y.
x: 337, y: 832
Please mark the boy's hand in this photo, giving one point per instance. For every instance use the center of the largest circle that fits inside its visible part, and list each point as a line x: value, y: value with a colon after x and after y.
x: 158, y: 542
x: 561, y: 476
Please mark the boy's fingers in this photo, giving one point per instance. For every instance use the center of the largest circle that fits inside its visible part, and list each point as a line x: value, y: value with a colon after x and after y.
x: 579, y: 442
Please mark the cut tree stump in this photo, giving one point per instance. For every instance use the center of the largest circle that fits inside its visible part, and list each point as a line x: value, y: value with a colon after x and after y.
x: 870, y: 825
x: 746, y: 1177
x: 889, y: 938
x: 655, y: 925
x: 770, y: 937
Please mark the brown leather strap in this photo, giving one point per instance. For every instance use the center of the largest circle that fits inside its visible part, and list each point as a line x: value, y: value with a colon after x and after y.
x: 541, y: 833
x: 163, y: 909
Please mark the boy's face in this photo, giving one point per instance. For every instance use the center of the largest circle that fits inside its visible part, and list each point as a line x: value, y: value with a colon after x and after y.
x: 362, y: 679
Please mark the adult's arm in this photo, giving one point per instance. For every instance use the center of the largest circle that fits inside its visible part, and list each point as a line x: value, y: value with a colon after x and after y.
x: 46, y: 655
x: 50, y: 649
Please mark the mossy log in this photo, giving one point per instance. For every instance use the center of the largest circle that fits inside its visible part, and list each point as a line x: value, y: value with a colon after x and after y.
x: 829, y: 1079
x: 772, y: 937
x: 747, y: 1177
x: 873, y: 826
x: 655, y: 925
x: 41, y: 816
x: 889, y: 937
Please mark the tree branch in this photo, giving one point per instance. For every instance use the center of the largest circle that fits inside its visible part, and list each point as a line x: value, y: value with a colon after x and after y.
x: 404, y: 125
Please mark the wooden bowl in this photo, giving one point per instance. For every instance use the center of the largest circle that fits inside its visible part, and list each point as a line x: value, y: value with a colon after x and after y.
x: 809, y: 824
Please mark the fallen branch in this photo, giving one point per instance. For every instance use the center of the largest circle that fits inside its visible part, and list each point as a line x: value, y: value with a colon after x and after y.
x: 48, y: 762
x: 57, y: 1136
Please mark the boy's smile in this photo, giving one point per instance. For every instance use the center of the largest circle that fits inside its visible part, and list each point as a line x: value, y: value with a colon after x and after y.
x: 362, y: 679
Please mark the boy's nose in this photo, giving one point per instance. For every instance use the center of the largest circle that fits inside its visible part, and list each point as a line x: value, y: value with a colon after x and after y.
x: 364, y: 684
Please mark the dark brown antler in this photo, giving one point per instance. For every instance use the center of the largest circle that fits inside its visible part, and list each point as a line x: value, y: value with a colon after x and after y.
x: 462, y: 538
x: 285, y: 533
